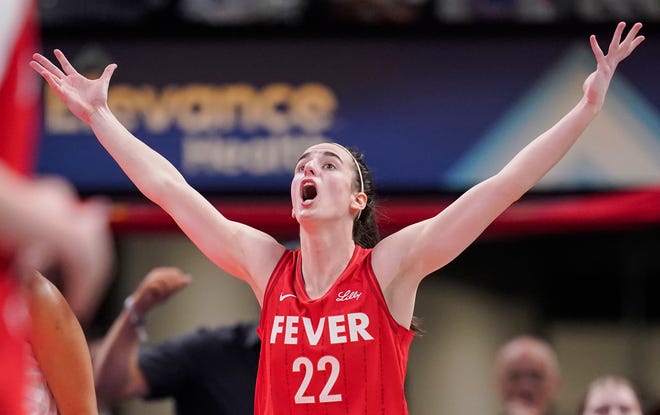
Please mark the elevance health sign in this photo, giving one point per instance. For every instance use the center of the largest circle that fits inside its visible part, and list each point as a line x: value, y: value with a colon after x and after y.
x: 430, y: 114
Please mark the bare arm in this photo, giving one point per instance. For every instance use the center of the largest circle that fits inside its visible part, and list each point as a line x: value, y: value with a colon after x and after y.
x: 240, y: 250
x: 58, y: 342
x: 407, y: 256
x: 117, y: 373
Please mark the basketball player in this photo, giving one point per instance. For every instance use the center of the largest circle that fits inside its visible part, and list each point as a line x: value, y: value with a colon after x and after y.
x: 43, y: 224
x: 336, y: 313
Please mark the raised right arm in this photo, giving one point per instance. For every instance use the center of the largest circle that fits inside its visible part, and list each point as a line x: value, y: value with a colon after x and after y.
x: 240, y: 250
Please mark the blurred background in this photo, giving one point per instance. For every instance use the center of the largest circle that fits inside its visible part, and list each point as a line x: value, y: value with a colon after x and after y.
x: 438, y: 94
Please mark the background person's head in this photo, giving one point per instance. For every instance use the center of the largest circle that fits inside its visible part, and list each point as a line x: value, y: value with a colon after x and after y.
x: 610, y: 395
x: 527, y: 375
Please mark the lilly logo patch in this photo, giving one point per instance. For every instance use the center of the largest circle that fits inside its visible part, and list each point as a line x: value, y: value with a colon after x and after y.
x: 348, y: 295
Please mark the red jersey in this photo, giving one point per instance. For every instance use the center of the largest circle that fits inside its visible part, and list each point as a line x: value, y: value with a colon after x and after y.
x: 12, y: 342
x: 340, y: 354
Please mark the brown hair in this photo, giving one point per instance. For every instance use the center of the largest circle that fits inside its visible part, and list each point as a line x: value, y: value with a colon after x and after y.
x: 365, y: 227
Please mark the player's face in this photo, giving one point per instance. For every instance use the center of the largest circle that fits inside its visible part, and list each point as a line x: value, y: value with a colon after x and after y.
x: 612, y: 399
x: 322, y: 184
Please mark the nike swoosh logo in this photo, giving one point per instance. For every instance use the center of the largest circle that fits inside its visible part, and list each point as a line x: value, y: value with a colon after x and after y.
x: 283, y: 296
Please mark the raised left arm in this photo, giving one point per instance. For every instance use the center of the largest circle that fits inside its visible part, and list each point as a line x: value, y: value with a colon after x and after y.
x: 404, y: 258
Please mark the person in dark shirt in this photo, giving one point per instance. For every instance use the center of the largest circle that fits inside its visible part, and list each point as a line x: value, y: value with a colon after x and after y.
x: 207, y: 371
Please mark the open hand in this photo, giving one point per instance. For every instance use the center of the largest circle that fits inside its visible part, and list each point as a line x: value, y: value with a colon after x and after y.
x: 159, y: 284
x: 82, y: 95
x: 595, y: 86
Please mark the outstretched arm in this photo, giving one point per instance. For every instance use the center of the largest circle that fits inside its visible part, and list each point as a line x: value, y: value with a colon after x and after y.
x: 59, y: 347
x: 238, y: 249
x: 117, y: 374
x: 405, y: 257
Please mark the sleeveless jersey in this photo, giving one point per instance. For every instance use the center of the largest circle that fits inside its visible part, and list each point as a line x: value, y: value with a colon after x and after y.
x: 39, y: 400
x: 340, y: 354
x: 12, y: 336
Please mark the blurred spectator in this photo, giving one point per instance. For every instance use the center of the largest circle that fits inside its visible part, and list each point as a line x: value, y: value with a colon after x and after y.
x: 376, y: 11
x: 610, y: 395
x: 242, y: 12
x: 237, y: 13
x: 63, y: 13
x: 527, y: 376
x: 606, y: 10
x: 495, y: 10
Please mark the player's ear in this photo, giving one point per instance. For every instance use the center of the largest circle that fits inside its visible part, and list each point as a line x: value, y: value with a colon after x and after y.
x: 359, y: 201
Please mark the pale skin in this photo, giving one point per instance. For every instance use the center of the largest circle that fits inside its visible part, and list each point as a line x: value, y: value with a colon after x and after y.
x: 612, y: 397
x: 58, y: 341
x: 401, y: 260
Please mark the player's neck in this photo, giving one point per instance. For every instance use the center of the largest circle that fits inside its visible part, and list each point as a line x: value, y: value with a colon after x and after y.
x: 323, y: 261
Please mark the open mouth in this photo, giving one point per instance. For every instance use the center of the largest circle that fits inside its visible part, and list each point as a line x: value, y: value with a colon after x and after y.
x: 527, y: 397
x: 308, y: 191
